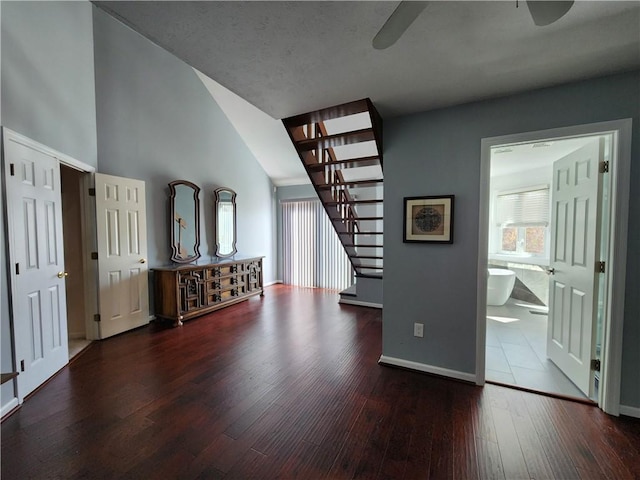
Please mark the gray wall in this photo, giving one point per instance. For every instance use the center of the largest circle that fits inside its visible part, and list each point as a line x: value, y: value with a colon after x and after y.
x: 291, y: 192
x: 48, y: 84
x: 150, y: 118
x: 369, y: 290
x: 47, y: 90
x: 438, y: 152
x: 157, y: 122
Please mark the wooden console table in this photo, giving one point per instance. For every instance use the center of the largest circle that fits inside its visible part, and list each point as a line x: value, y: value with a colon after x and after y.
x: 186, y: 291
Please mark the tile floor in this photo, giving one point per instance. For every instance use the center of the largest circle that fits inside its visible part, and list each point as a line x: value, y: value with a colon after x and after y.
x: 76, y: 345
x: 516, y: 349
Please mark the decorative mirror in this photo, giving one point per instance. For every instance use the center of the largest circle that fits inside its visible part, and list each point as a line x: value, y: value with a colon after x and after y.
x: 185, y: 221
x: 225, y: 222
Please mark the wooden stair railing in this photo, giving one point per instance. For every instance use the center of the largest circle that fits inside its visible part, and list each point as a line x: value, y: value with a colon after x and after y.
x: 315, y: 147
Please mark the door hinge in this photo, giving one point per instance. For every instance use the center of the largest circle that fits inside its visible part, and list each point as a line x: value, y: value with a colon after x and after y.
x: 22, y: 365
x: 600, y: 267
x: 92, y: 192
x: 96, y: 317
x: 604, y: 167
x: 595, y: 364
x: 94, y: 255
x: 17, y: 269
x: 12, y: 169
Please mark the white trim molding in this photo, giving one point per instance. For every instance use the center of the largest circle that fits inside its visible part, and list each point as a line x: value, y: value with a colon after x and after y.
x: 268, y: 284
x: 9, y: 407
x: 359, y: 303
x: 630, y: 411
x: 609, y: 394
x: 10, y: 135
x: 422, y: 367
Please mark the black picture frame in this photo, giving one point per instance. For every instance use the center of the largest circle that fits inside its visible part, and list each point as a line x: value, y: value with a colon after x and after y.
x: 428, y: 219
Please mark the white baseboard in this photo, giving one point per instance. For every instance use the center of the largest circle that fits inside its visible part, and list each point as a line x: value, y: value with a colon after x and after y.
x: 630, y: 411
x: 10, y: 405
x: 359, y: 303
x: 422, y: 367
x: 268, y: 284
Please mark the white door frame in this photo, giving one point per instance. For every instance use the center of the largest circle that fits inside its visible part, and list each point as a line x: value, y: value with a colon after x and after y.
x: 609, y: 391
x: 88, y: 220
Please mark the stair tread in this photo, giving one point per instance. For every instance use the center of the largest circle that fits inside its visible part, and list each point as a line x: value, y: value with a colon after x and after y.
x: 368, y: 161
x: 368, y: 275
x: 329, y: 113
x: 336, y: 140
x: 353, y: 245
x: 357, y: 218
x: 354, y: 202
x: 329, y: 186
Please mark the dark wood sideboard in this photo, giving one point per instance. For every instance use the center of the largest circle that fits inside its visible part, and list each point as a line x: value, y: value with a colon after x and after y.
x: 184, y: 291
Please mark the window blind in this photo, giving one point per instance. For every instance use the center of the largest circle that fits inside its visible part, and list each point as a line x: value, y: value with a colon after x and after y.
x: 313, y: 254
x: 525, y: 208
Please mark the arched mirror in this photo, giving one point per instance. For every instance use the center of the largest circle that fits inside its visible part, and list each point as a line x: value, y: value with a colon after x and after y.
x: 185, y: 221
x: 225, y: 222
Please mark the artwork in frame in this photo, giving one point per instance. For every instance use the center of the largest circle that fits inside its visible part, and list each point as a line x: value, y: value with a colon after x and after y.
x: 428, y: 219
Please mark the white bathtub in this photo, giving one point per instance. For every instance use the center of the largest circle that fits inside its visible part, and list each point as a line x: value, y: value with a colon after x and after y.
x: 500, y: 282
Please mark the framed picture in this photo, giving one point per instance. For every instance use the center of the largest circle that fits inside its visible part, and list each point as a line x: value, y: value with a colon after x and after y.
x: 428, y: 219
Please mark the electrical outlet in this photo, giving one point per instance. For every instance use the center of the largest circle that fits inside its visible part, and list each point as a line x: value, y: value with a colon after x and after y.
x: 418, y: 330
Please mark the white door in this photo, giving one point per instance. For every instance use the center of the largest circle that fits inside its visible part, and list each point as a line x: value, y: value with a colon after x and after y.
x: 122, y: 253
x: 34, y: 213
x: 575, y: 233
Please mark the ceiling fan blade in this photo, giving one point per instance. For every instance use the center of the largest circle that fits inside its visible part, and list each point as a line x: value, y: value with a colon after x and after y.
x: 547, y: 12
x: 403, y: 16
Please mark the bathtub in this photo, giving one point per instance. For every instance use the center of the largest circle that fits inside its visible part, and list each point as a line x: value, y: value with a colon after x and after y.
x: 500, y: 284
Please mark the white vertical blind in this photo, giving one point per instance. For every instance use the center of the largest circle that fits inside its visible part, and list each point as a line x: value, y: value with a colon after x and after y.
x: 313, y: 254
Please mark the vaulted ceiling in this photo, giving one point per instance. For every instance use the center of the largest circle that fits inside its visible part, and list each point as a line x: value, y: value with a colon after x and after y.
x: 288, y: 58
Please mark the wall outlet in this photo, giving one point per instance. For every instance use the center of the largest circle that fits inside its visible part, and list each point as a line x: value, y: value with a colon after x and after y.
x: 418, y: 330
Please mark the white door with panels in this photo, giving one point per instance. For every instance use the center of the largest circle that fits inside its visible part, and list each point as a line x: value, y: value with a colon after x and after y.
x: 122, y: 253
x: 575, y: 233
x: 34, y: 213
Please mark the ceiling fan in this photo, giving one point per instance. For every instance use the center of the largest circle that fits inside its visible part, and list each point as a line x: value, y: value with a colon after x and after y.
x: 543, y: 12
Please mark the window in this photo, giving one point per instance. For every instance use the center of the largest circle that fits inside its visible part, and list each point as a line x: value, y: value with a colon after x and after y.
x: 523, y: 221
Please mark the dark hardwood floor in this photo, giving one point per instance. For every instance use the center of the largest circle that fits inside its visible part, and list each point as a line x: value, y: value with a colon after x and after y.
x: 288, y: 386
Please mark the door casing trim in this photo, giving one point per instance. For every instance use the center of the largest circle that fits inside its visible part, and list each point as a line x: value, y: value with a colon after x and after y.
x: 609, y: 392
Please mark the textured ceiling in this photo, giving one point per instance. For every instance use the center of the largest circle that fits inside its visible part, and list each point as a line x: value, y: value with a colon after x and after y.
x: 293, y: 57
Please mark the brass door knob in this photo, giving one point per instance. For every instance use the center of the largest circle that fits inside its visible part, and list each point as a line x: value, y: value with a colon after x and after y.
x: 62, y: 274
x: 551, y: 271
x: 143, y: 260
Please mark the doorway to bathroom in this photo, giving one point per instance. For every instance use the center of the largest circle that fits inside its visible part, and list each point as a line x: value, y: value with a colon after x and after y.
x: 547, y: 223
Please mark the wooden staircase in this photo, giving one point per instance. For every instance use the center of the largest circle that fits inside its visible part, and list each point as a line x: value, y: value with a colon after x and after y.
x: 341, y: 150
